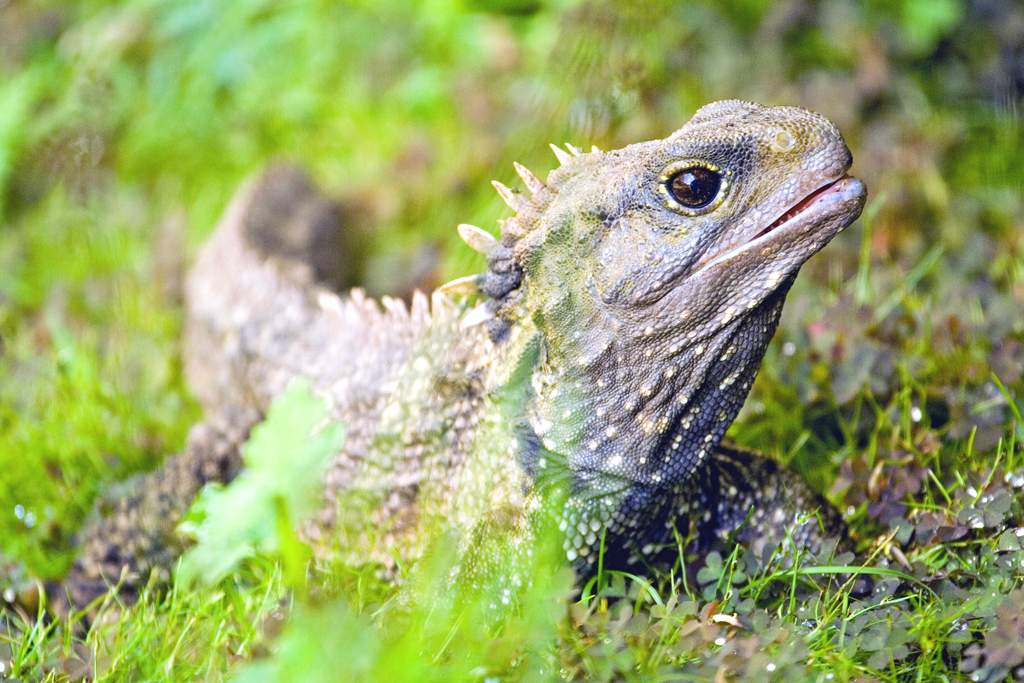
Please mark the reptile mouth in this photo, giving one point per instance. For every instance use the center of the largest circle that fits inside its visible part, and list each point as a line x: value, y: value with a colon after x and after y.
x: 847, y: 187
x: 799, y: 207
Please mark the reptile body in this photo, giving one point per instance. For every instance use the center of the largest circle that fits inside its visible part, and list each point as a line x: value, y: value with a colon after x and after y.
x: 604, y: 352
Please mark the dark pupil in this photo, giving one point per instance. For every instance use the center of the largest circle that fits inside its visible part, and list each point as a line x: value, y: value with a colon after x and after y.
x: 694, y: 187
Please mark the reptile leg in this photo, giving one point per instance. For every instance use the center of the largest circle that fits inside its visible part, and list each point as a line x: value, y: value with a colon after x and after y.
x: 136, y: 536
x: 763, y: 505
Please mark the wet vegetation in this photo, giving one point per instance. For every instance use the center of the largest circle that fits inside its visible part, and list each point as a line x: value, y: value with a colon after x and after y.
x: 895, y: 383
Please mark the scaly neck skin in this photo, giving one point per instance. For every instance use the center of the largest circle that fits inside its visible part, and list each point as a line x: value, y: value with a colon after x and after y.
x: 620, y: 405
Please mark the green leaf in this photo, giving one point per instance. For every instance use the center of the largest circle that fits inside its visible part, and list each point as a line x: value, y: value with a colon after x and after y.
x: 304, y: 658
x: 305, y: 654
x: 285, y: 460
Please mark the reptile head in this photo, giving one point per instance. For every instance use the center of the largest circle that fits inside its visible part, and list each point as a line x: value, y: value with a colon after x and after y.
x: 654, y: 276
x: 710, y: 220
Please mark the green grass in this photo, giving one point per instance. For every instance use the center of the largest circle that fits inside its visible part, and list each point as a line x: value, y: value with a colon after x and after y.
x: 895, y: 385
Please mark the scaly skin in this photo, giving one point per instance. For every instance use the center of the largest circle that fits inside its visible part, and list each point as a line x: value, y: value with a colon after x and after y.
x: 618, y: 335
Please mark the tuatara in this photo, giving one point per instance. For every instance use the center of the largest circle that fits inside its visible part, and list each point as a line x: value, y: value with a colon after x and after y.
x: 611, y: 341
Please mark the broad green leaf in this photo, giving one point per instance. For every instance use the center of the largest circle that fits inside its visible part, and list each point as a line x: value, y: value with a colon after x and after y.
x: 285, y: 459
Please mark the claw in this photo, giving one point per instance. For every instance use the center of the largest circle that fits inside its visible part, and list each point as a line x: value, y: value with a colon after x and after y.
x: 576, y: 151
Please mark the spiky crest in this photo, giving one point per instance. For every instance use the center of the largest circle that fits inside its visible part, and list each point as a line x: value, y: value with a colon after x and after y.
x: 560, y: 154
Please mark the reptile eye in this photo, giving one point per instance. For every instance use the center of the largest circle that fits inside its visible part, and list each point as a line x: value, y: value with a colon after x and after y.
x: 694, y: 187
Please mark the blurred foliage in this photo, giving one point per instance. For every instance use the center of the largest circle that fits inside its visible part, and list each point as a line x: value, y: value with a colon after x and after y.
x: 895, y: 383
x: 277, y: 493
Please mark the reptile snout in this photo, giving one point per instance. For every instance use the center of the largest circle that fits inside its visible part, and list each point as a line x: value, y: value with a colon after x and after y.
x: 825, y: 147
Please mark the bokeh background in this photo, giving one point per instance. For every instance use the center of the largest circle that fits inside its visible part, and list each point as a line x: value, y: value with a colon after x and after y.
x: 125, y: 128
